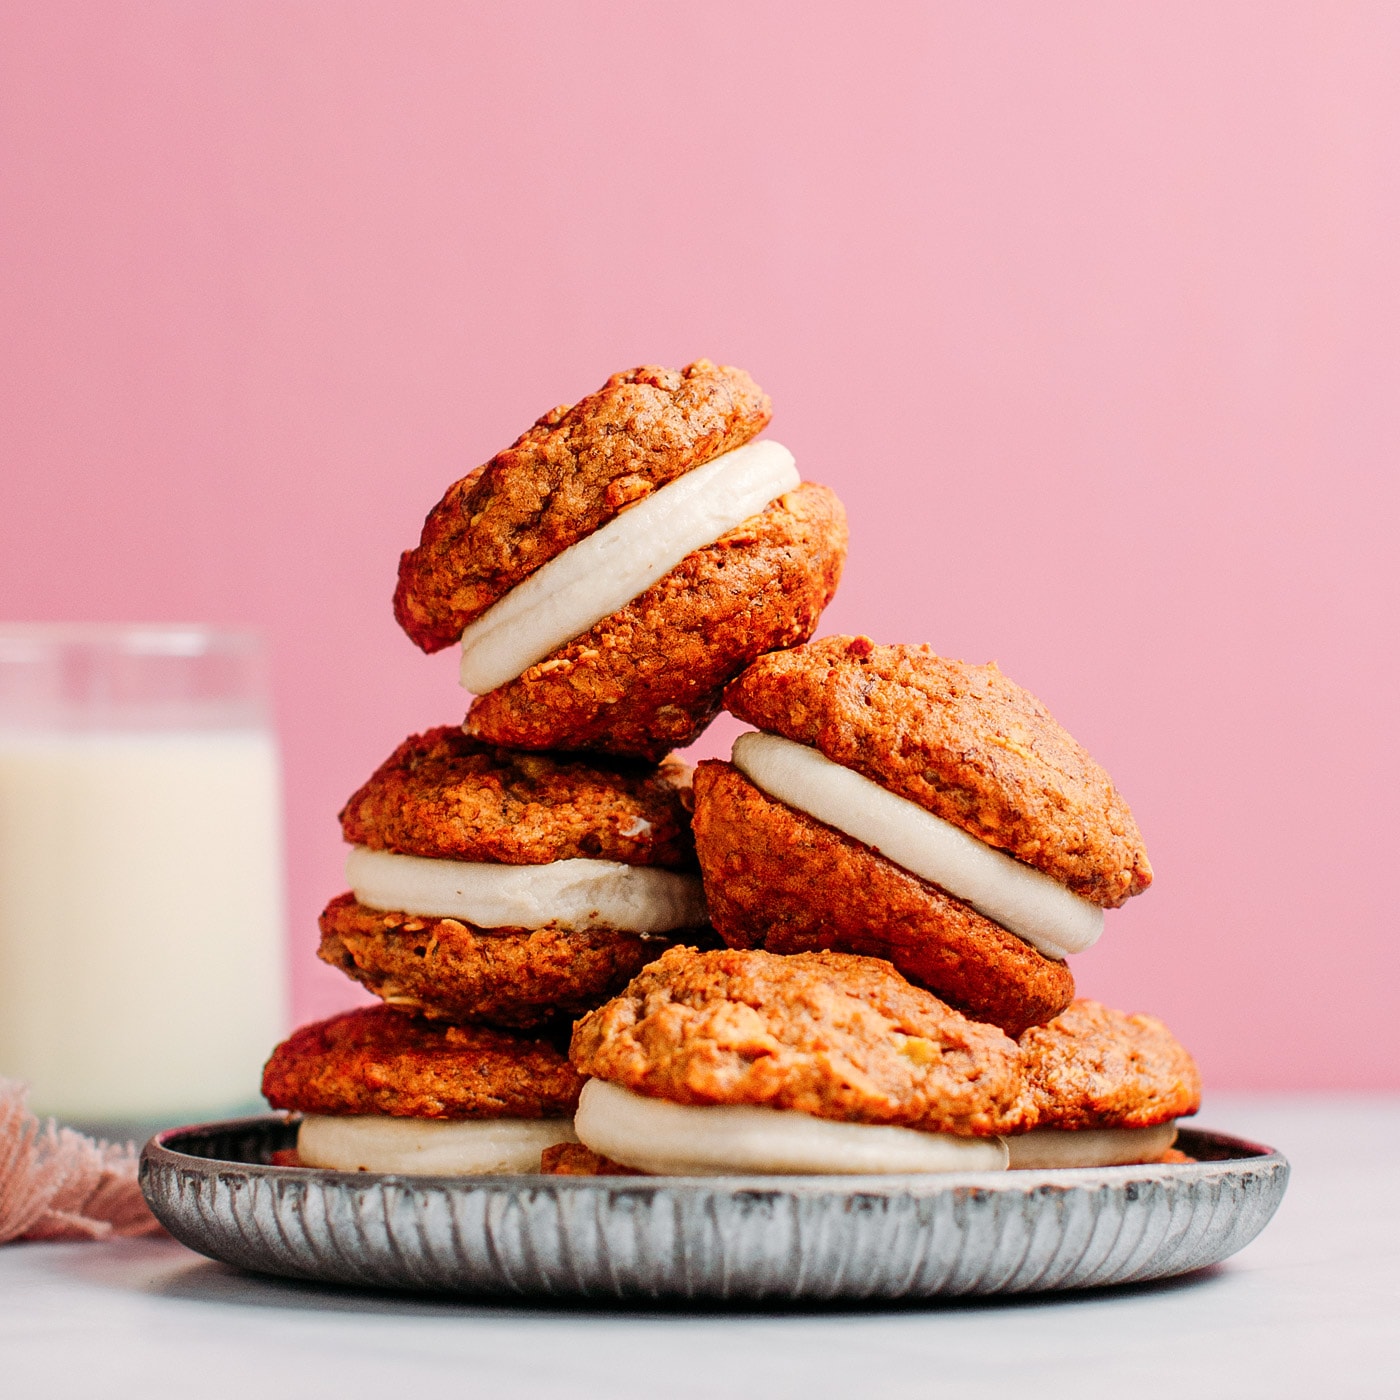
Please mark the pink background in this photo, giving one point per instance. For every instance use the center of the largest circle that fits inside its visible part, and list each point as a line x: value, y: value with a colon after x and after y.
x: 1090, y: 312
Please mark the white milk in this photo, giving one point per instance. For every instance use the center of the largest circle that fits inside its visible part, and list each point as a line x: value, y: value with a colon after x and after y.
x: 141, y: 920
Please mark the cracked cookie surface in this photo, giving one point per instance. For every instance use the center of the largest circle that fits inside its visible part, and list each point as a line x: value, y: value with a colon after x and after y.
x: 375, y: 1060
x: 451, y: 970
x: 1093, y: 1067
x: 448, y: 796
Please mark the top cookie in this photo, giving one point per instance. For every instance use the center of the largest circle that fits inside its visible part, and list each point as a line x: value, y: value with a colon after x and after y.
x: 573, y: 471
x: 963, y: 742
x: 1093, y: 1067
x: 829, y: 1034
x: 450, y: 797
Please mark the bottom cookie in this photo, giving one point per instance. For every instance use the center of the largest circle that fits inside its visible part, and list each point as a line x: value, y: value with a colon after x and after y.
x: 761, y: 860
x: 446, y: 969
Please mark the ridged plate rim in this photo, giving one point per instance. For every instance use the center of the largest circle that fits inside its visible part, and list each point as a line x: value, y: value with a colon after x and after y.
x: 710, y: 1237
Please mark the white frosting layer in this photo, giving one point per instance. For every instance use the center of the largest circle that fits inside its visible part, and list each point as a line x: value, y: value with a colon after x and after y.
x: 1025, y: 901
x: 681, y: 1140
x: 567, y: 894
x: 1089, y: 1147
x: 427, y: 1147
x: 605, y: 570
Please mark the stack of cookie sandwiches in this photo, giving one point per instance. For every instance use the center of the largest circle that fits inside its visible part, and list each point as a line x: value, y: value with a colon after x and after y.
x: 607, y: 576
x: 842, y: 951
x: 494, y: 895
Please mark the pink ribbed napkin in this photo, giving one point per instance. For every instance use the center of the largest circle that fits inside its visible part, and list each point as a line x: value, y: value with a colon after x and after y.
x: 58, y: 1184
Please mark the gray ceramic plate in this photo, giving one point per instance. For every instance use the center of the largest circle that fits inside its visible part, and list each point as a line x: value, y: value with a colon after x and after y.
x: 735, y: 1238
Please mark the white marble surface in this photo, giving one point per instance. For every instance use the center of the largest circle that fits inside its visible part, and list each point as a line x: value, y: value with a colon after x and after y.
x: 1311, y: 1308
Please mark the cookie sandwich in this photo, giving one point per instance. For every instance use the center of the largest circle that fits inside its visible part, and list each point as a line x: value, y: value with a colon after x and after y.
x: 745, y: 1061
x: 731, y: 1061
x: 1105, y: 1088
x: 898, y: 804
x: 609, y: 572
x: 382, y: 1091
x: 511, y: 888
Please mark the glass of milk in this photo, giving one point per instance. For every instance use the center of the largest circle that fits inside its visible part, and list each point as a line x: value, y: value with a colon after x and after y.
x: 142, y: 974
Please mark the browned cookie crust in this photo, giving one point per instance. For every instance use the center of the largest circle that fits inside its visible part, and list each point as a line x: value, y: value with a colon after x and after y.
x: 649, y: 678
x: 572, y: 472
x: 450, y: 970
x: 574, y: 1159
x: 1097, y: 1068
x: 375, y: 1060
x: 835, y: 1036
x: 1175, y: 1156
x: 962, y: 741
x: 778, y: 879
x: 447, y: 796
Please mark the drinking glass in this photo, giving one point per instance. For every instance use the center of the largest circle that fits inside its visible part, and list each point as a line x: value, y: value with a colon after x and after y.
x: 142, y: 973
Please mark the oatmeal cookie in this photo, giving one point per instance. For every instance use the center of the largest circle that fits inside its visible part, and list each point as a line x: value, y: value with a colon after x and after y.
x: 448, y: 969
x: 963, y: 742
x: 835, y: 1036
x: 375, y: 1060
x: 447, y: 796
x: 569, y: 474
x: 1093, y: 1067
x: 649, y: 678
x: 757, y: 857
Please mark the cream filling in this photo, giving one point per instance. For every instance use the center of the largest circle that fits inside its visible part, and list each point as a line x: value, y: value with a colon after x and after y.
x: 569, y: 894
x: 674, y: 1139
x: 607, y: 569
x: 1024, y: 901
x: 429, y: 1147
x: 1089, y: 1147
